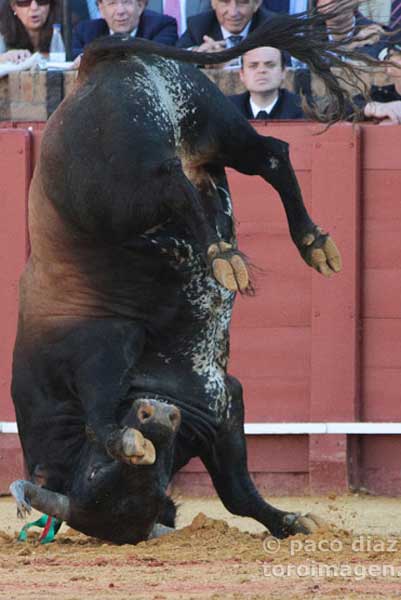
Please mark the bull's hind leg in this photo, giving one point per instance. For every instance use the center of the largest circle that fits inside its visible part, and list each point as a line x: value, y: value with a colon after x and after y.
x: 183, y: 201
x: 228, y: 263
x: 315, y: 246
x: 228, y: 267
x: 198, y: 207
x: 227, y: 465
x: 253, y: 154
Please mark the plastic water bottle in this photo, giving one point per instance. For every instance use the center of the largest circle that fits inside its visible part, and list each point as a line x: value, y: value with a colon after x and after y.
x: 57, y: 48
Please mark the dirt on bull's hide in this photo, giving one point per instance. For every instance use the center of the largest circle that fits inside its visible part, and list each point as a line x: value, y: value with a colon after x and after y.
x: 206, y: 559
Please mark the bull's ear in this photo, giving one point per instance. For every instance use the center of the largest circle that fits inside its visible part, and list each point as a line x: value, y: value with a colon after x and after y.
x: 28, y: 495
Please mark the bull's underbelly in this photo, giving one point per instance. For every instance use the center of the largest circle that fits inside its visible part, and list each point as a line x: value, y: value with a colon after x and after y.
x: 191, y: 359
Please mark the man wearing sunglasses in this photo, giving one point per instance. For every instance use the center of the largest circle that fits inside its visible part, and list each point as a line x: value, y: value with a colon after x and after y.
x: 125, y: 16
x: 26, y: 27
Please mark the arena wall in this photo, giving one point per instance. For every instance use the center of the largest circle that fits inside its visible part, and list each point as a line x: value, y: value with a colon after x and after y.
x: 307, y: 350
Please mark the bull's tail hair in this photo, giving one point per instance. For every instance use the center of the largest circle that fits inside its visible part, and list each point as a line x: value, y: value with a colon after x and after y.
x: 303, y: 37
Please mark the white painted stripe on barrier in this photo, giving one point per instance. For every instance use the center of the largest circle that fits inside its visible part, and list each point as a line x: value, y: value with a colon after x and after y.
x: 8, y: 427
x: 373, y: 428
x: 322, y: 428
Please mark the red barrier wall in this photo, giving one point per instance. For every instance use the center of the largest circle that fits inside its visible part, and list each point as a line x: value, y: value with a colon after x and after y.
x: 15, y: 174
x: 305, y: 348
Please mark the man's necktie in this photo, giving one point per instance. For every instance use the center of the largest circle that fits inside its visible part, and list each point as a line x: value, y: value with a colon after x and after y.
x: 235, y: 40
x: 262, y: 114
x: 173, y: 8
x: 395, y: 21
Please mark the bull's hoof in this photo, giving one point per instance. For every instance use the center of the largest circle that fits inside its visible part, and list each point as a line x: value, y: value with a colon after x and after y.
x: 228, y: 267
x: 321, y: 253
x: 17, y: 489
x: 136, y: 449
x: 306, y: 524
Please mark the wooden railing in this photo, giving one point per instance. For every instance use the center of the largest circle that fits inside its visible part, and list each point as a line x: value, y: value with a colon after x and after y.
x: 33, y: 96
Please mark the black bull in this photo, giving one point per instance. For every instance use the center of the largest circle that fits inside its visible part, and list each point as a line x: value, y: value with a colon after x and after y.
x: 126, y: 299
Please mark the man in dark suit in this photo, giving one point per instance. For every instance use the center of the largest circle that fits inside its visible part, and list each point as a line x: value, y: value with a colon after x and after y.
x: 226, y: 25
x: 262, y: 72
x: 125, y: 16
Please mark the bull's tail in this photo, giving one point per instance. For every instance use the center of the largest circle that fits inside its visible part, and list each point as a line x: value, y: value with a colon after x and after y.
x: 302, y: 36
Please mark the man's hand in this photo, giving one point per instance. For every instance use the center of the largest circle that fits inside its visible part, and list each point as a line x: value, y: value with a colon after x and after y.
x: 369, y: 35
x: 366, y: 37
x: 388, y: 113
x: 77, y: 62
x: 210, y: 45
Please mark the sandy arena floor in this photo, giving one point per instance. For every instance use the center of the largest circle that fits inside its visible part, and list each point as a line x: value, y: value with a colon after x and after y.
x: 216, y: 556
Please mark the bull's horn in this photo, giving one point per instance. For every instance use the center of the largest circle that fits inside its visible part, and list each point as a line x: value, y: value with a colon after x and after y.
x: 159, y: 530
x: 28, y: 495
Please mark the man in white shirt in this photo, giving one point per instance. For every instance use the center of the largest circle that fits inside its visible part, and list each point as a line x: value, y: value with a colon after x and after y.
x: 262, y: 73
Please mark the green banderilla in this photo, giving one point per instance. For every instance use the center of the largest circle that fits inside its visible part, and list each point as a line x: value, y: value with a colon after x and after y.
x: 50, y: 526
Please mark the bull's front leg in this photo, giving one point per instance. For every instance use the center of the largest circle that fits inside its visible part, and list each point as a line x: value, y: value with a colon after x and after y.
x: 108, y: 350
x: 315, y: 246
x: 226, y: 462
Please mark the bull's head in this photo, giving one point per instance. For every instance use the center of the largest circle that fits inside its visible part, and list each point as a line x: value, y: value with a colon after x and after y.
x: 111, y: 498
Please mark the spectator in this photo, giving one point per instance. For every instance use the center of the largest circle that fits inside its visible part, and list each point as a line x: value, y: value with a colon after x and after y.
x: 350, y: 22
x: 125, y: 16
x: 262, y: 72
x: 26, y: 27
x: 179, y: 9
x: 226, y: 25
x: 385, y: 104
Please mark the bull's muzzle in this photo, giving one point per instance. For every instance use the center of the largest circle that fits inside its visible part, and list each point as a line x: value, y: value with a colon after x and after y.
x: 157, y: 413
x: 137, y: 449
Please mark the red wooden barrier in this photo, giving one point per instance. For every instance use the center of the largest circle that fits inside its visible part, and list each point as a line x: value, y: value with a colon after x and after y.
x: 381, y: 306
x: 305, y: 348
x: 15, y: 174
